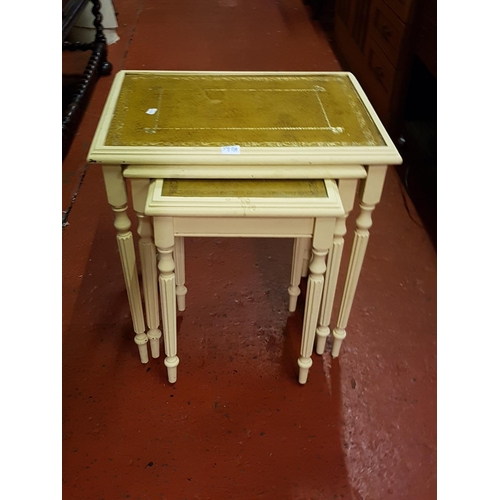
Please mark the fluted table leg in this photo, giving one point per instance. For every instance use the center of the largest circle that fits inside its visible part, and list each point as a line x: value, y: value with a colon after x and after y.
x: 165, y: 240
x: 347, y: 190
x: 117, y: 197
x: 147, y: 255
x: 323, y: 234
x: 370, y: 194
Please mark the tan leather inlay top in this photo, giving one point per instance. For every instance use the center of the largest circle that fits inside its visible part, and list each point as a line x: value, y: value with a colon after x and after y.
x: 221, y: 188
x: 266, y: 111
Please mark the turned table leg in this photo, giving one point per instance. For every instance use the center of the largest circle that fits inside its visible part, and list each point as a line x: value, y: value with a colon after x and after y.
x: 165, y: 241
x: 347, y: 190
x: 323, y: 234
x: 180, y: 273
x: 117, y: 197
x: 370, y: 194
x: 147, y: 255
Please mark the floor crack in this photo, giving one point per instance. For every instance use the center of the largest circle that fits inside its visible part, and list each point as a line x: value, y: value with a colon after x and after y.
x: 73, y: 198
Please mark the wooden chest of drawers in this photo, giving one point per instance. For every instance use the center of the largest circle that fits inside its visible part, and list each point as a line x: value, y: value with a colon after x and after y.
x: 374, y: 40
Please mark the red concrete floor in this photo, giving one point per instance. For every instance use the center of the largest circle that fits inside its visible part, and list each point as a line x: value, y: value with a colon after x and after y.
x: 237, y: 424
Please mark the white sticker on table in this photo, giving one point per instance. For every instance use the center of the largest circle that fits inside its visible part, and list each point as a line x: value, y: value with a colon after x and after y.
x: 151, y: 111
x: 230, y: 150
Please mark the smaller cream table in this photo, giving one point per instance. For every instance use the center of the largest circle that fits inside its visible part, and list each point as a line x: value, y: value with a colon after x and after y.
x: 264, y: 208
x: 240, y: 125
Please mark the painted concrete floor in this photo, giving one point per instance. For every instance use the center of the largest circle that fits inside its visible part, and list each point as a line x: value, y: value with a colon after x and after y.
x: 237, y: 424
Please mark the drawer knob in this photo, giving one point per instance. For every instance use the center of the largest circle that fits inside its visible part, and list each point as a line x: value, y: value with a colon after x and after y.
x: 379, y: 71
x: 385, y: 31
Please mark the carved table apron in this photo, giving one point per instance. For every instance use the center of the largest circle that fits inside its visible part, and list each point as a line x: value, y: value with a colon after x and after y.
x: 240, y: 125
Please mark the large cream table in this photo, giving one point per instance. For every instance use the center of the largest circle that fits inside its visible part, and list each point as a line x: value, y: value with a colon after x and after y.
x: 239, y: 125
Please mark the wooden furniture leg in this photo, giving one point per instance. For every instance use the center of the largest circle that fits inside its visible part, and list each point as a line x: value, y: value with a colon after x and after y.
x: 165, y: 241
x: 296, y: 273
x: 347, y: 190
x: 307, y: 258
x: 370, y: 193
x: 147, y: 255
x: 225, y: 215
x: 322, y: 238
x: 117, y: 197
x: 180, y: 273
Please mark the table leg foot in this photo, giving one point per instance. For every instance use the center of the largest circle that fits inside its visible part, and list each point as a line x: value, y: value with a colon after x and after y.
x: 181, y: 292
x: 105, y: 68
x: 171, y: 363
x: 142, y: 343
x: 304, y: 365
x: 154, y: 336
x: 338, y: 336
x: 322, y: 333
x: 294, y: 293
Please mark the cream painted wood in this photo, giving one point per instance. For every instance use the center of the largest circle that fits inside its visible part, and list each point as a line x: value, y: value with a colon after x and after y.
x: 224, y: 227
x: 180, y: 273
x: 347, y: 190
x: 164, y: 239
x: 299, y: 245
x: 156, y: 162
x: 227, y: 208
x: 323, y: 233
x: 269, y: 219
x: 266, y: 170
x: 307, y: 258
x: 255, y: 163
x: 117, y: 197
x: 147, y: 255
x: 371, y: 192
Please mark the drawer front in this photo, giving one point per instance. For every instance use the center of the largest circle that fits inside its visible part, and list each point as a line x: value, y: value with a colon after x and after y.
x: 401, y: 8
x: 380, y: 67
x: 388, y: 31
